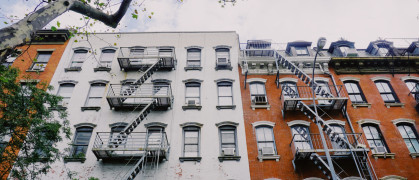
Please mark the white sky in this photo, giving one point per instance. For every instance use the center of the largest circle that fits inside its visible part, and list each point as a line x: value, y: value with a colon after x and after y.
x: 282, y: 21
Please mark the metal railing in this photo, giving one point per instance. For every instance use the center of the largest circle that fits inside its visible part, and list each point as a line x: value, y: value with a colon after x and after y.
x: 146, y: 52
x: 146, y: 90
x: 314, y: 143
x: 305, y: 92
x: 135, y: 141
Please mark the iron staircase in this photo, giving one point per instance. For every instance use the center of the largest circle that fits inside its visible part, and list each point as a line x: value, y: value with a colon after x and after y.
x: 361, y: 159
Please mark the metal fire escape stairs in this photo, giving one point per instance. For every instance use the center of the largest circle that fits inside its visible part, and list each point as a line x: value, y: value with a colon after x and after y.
x: 148, y: 156
x: 361, y: 159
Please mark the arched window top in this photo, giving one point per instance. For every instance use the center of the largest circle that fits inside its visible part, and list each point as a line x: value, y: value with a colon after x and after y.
x: 191, y: 124
x: 155, y: 124
x: 226, y: 123
x: 349, y: 79
x: 193, y: 81
x: 288, y: 80
x: 381, y: 78
x: 81, y: 49
x: 338, y: 122
x: 368, y: 121
x: 403, y: 120
x: 62, y: 82
x: 99, y: 81
x: 410, y: 78
x: 263, y: 123
x: 194, y: 48
x: 128, y: 81
x: 224, y: 80
x: 86, y: 125
x: 256, y: 80
x: 298, y: 122
x: 137, y: 47
x: 110, y: 49
x: 321, y: 79
x: 165, y: 48
x: 393, y: 177
x: 222, y: 48
x: 118, y: 124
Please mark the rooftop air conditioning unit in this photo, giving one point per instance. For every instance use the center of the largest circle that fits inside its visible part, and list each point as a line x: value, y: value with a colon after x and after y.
x: 350, y: 52
x: 229, y: 151
x: 266, y: 151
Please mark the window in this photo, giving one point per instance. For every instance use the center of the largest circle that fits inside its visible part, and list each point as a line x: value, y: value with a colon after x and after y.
x: 324, y: 89
x: 228, y: 141
x: 193, y: 93
x: 413, y: 86
x: 95, y: 94
x: 258, y: 93
x: 81, y: 140
x: 337, y: 128
x: 78, y: 58
x: 265, y: 140
x: 225, y: 94
x: 155, y: 136
x: 301, y: 51
x: 382, y: 51
x: 289, y: 89
x: 194, y: 57
x: 191, y: 141
x: 355, y: 92
x: 41, y: 60
x: 386, y: 91
x: 375, y: 138
x: 65, y: 91
x: 115, y: 138
x: 301, y: 137
x: 409, y: 136
x: 223, y: 56
x: 107, y: 57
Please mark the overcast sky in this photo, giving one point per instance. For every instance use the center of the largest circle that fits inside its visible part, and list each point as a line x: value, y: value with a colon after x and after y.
x: 282, y: 21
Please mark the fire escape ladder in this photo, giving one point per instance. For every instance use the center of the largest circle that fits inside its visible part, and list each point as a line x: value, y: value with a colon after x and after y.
x: 141, y: 116
x: 149, y: 72
x: 137, y: 168
x: 318, y: 161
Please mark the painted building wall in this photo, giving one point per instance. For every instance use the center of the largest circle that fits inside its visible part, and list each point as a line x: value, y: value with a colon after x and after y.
x: 209, y: 167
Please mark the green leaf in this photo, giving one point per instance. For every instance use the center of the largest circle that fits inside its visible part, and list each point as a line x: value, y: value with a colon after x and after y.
x: 58, y: 23
x: 53, y: 28
x: 35, y: 60
x: 134, y: 16
x: 76, y: 40
x: 86, y: 17
x: 5, y: 22
x: 101, y: 4
x: 152, y: 13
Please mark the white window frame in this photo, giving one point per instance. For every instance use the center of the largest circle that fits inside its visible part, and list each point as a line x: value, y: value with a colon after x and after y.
x: 78, y: 58
x: 190, y: 58
x: 107, y: 62
x: 89, y: 97
x: 41, y: 63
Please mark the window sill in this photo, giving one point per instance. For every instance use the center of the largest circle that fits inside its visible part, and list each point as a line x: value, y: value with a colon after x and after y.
x: 74, y: 159
x: 357, y: 105
x: 414, y: 155
x: 193, y: 68
x: 388, y: 105
x: 226, y: 107
x: 257, y: 106
x: 96, y: 108
x: 191, y: 107
x: 229, y: 158
x: 275, y: 157
x: 107, y: 69
x: 197, y: 159
x: 57, y: 108
x: 30, y: 70
x: 383, y: 155
x: 229, y: 67
x: 72, y: 69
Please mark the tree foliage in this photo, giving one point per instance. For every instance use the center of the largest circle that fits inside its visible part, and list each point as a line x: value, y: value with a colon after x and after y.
x: 27, y: 116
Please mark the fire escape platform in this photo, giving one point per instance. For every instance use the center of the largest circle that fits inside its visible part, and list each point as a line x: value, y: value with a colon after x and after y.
x: 130, y: 59
x: 109, y: 146
x: 138, y: 96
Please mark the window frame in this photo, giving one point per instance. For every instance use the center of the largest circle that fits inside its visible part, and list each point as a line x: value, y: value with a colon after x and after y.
x: 414, y: 132
x: 78, y: 52
x: 99, y: 84
x: 273, y: 142
x: 253, y: 96
x: 65, y: 99
x: 189, y: 60
x: 225, y: 84
x: 234, y: 131
x: 191, y: 85
x: 41, y: 64
x: 360, y: 92
x: 374, y: 139
x: 219, y: 54
x: 306, y: 128
x: 413, y: 84
x: 198, y: 144
x: 108, y: 62
x: 292, y: 85
x: 393, y: 93
x: 75, y: 151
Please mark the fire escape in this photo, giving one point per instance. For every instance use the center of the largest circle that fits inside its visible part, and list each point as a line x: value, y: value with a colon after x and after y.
x: 300, y: 98
x: 147, y: 148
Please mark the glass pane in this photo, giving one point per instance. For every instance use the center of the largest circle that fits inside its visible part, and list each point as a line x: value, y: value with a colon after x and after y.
x: 82, y: 138
x: 253, y: 89
x: 268, y: 134
x: 44, y: 57
x: 192, y: 91
x: 65, y: 91
x: 107, y: 57
x: 224, y: 91
x: 260, y: 134
x: 415, y: 144
x: 409, y: 146
x: 227, y: 136
x: 380, y: 87
x: 371, y: 143
x: 367, y: 132
x: 410, y: 132
x: 193, y: 63
x: 94, y: 102
x: 191, y: 137
x: 97, y: 91
x: 79, y: 57
x: 402, y: 132
x: 225, y: 101
x: 194, y: 55
x: 191, y: 151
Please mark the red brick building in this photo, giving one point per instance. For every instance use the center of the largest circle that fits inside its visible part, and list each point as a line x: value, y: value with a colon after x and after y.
x: 365, y: 110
